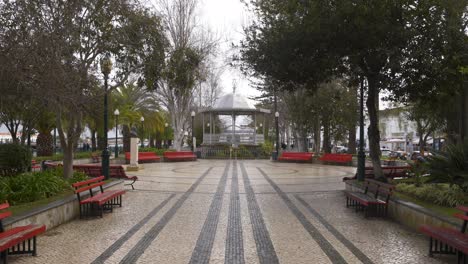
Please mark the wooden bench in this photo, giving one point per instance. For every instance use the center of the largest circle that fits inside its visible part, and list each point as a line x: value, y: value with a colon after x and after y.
x: 373, y: 200
x: 179, y: 155
x: 144, y: 157
x: 118, y: 171
x: 115, y: 171
x: 98, y: 201
x: 445, y: 240
x: 390, y: 171
x: 35, y: 166
x: 17, y: 240
x: 296, y: 156
x: 337, y: 158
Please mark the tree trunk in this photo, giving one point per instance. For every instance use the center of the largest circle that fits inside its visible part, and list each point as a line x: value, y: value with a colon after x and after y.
x: 373, y: 129
x: 352, y: 140
x: 93, y: 140
x: 317, y: 135
x: 68, y: 161
x: 126, y: 138
x: 326, y: 137
x: 151, y: 142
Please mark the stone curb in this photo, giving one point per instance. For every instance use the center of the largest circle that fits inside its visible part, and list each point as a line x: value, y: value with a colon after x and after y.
x: 54, y: 213
x: 410, y: 214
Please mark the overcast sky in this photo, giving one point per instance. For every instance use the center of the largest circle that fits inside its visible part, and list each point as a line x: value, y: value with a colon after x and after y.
x: 227, y: 18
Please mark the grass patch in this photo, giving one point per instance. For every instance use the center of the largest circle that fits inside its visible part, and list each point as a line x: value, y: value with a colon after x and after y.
x: 445, y: 211
x: 25, y: 207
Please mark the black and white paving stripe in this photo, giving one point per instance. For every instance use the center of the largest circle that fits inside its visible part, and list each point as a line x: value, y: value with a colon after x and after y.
x: 135, y: 253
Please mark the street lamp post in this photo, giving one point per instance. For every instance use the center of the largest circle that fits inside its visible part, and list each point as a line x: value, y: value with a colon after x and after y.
x: 361, y: 154
x: 116, y: 150
x: 193, y: 130
x: 277, y: 133
x: 165, y: 135
x: 142, y: 119
x: 106, y: 67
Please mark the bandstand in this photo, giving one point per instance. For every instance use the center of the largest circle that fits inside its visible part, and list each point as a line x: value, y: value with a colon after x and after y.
x: 233, y: 122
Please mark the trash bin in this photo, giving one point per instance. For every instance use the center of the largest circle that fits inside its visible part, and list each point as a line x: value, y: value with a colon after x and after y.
x: 198, y: 154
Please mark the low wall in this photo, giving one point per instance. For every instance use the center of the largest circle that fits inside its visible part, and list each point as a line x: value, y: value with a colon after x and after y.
x: 410, y: 214
x: 55, y: 213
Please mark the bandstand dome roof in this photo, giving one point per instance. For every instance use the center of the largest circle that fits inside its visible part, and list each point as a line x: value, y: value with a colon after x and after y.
x: 233, y: 101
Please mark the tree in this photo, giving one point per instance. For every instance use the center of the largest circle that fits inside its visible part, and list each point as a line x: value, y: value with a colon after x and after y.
x: 308, y: 42
x: 189, y: 50
x: 65, y: 42
x: 427, y: 121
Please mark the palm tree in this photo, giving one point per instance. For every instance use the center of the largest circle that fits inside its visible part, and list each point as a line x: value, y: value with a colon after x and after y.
x: 134, y: 102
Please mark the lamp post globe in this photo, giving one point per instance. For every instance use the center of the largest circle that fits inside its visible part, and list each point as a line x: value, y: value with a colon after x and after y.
x: 277, y: 133
x: 193, y: 129
x: 106, y: 68
x: 116, y: 150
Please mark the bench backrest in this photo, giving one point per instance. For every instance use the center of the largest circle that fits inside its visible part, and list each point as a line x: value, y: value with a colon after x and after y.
x: 178, y: 153
x: 336, y: 156
x: 117, y: 172
x: 88, y: 185
x: 378, y: 188
x: 463, y: 217
x: 4, y: 214
x: 147, y: 154
x: 296, y: 154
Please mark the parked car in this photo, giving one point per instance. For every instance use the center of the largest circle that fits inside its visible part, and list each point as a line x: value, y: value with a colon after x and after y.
x: 341, y: 149
x: 385, y: 152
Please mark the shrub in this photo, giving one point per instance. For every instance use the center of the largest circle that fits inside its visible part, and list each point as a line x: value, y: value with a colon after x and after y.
x: 440, y: 194
x: 14, y: 159
x: 451, y: 166
x: 158, y: 152
x: 29, y: 187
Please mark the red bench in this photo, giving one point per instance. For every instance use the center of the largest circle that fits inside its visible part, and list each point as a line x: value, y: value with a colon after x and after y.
x: 144, y: 157
x: 35, y: 165
x: 338, y: 158
x: 445, y: 240
x: 97, y: 201
x: 373, y: 200
x: 17, y: 240
x: 115, y: 171
x: 179, y: 155
x: 296, y: 156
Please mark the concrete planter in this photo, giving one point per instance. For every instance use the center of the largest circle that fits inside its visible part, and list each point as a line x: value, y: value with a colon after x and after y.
x: 410, y: 214
x: 55, y: 213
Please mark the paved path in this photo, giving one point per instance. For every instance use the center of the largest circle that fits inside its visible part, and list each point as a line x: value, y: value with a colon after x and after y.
x: 234, y: 213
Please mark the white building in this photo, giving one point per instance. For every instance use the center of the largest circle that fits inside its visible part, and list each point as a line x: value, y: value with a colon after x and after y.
x: 396, y: 131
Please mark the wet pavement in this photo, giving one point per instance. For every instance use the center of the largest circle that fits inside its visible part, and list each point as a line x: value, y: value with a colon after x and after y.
x: 215, y: 211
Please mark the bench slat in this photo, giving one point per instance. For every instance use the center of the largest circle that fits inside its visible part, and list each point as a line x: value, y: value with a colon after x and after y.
x: 462, y: 217
x: 463, y: 208
x: 19, y: 234
x: 4, y: 205
x: 5, y: 215
x: 92, y: 186
x: 86, y: 182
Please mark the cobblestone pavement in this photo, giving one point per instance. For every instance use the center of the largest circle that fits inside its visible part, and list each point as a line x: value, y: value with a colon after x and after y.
x: 233, y: 212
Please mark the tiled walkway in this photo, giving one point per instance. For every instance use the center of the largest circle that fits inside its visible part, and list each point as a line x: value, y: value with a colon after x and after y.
x: 233, y: 212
